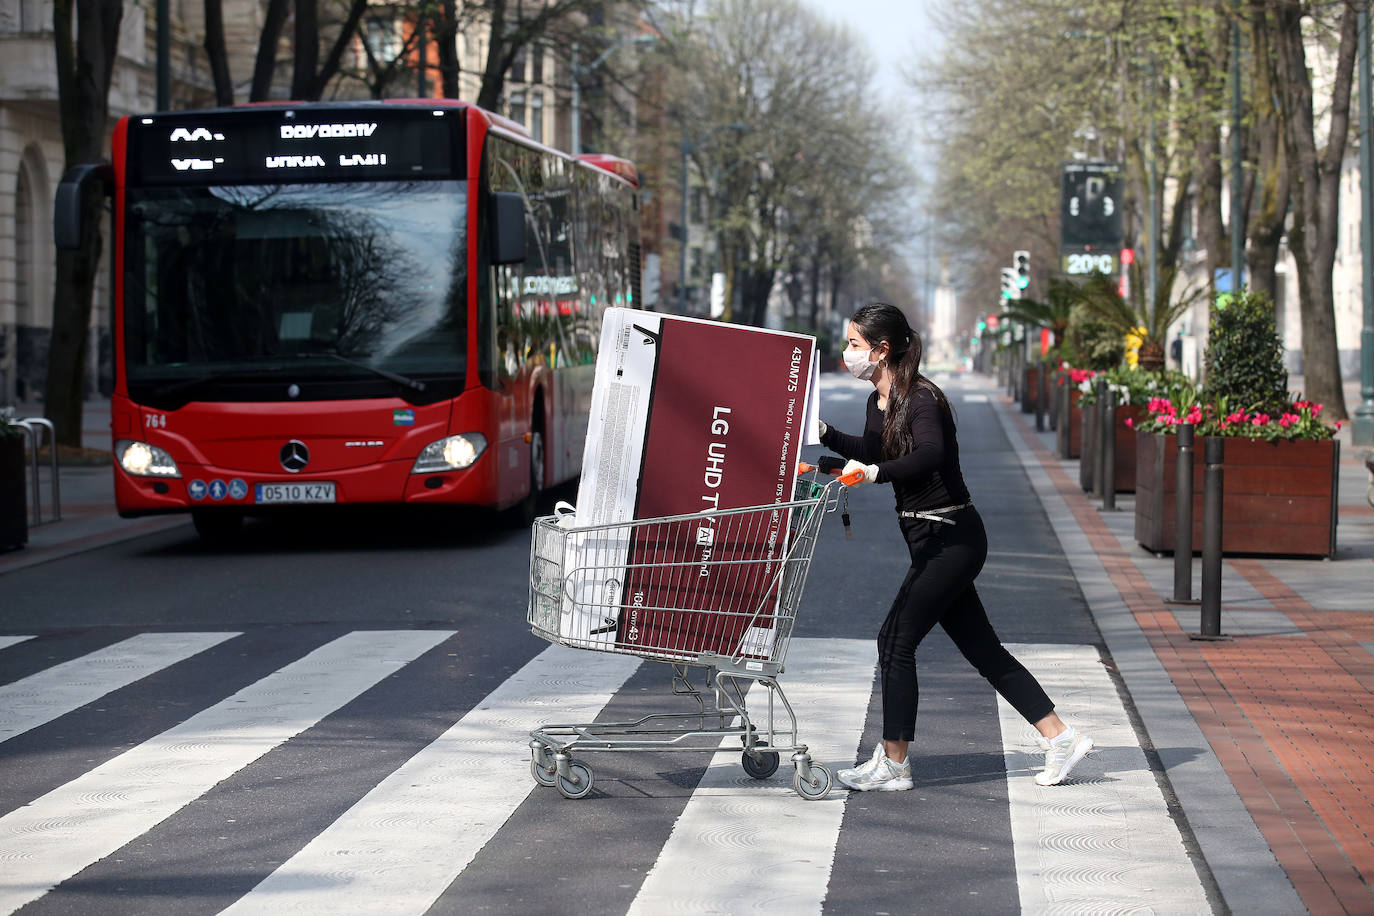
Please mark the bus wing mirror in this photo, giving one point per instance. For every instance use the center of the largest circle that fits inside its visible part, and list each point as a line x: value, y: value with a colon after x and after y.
x: 507, y: 214
x: 67, y: 224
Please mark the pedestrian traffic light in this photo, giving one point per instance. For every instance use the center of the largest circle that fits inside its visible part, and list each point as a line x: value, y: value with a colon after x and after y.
x: 1021, y: 263
x: 1009, y: 287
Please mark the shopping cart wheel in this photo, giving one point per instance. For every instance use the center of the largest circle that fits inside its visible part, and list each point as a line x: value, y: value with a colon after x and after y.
x: 546, y: 776
x: 760, y: 764
x: 817, y: 787
x: 578, y: 782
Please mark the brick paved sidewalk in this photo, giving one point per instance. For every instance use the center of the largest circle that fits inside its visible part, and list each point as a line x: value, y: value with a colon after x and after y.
x: 1287, y: 706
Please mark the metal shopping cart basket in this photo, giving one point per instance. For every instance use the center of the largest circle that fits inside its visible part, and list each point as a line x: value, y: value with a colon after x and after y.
x: 714, y: 595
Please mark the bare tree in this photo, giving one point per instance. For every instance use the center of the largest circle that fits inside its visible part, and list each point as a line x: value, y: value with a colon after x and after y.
x: 1314, y: 176
x: 85, y: 62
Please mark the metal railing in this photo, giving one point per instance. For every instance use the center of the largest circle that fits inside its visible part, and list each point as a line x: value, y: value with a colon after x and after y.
x: 32, y: 427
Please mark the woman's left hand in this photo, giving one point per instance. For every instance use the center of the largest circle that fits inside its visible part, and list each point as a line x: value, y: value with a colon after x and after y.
x: 870, y: 471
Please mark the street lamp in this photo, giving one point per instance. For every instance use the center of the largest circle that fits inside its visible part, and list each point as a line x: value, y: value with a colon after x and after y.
x: 688, y: 148
x: 577, y: 71
x: 1362, y: 430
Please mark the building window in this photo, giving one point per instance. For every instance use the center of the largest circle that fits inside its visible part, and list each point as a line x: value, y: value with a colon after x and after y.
x: 537, y: 65
x: 698, y: 260
x: 517, y: 67
x: 698, y: 206
x: 23, y: 249
x: 537, y: 116
x: 517, y: 107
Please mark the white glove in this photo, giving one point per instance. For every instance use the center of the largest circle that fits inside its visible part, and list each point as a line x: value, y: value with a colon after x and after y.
x: 820, y: 428
x: 870, y: 471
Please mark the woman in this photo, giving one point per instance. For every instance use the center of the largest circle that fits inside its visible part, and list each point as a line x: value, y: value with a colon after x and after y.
x: 908, y: 440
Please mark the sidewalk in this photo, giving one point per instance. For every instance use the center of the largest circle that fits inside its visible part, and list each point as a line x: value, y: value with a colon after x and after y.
x: 1283, y: 804
x: 87, y: 506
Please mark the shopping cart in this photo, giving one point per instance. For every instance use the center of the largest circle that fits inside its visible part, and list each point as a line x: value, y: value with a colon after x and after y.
x: 713, y: 591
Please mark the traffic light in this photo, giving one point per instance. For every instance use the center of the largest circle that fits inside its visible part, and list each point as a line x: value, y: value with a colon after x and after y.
x: 1009, y: 287
x: 1021, y: 264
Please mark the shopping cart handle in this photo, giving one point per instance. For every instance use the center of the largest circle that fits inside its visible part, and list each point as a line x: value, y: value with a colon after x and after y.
x: 829, y: 464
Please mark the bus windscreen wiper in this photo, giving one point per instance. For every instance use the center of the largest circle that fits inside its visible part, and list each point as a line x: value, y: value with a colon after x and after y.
x: 163, y: 391
x: 413, y: 384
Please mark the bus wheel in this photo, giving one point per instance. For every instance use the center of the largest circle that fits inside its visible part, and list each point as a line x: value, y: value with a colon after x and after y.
x: 217, y: 528
x: 522, y: 515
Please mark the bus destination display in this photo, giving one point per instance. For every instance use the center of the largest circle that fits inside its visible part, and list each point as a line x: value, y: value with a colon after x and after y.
x: 270, y: 146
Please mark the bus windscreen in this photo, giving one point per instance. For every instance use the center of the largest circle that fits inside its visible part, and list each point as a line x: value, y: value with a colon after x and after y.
x: 347, y: 290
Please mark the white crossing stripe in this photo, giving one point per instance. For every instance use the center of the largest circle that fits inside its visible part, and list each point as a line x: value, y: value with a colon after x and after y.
x: 975, y: 399
x: 95, y: 814
x: 7, y: 641
x: 742, y: 844
x: 402, y: 844
x: 56, y: 691
x: 1105, y: 834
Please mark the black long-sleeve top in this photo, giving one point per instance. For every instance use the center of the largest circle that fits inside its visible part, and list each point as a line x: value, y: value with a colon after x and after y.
x: 927, y: 477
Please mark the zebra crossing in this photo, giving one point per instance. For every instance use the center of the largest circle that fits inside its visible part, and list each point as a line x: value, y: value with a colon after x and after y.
x: 379, y: 771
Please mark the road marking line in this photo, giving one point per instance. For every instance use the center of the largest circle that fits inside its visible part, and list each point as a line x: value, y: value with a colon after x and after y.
x: 7, y: 641
x: 56, y: 691
x: 404, y: 843
x: 81, y: 822
x: 1106, y: 833
x: 742, y: 842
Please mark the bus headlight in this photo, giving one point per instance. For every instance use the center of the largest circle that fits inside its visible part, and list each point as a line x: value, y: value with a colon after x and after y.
x: 452, y: 453
x: 143, y: 460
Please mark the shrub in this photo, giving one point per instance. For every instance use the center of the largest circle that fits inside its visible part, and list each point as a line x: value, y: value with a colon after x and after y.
x: 1096, y: 343
x: 1244, y: 358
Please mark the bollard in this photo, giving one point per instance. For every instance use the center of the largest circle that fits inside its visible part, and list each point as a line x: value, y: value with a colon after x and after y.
x: 1183, y: 519
x: 1052, y: 401
x: 1042, y: 393
x: 1214, y: 453
x: 1109, y: 450
x: 1097, y: 475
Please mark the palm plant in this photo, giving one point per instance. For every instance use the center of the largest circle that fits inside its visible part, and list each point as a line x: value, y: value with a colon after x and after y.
x: 1137, y: 316
x: 1052, y: 313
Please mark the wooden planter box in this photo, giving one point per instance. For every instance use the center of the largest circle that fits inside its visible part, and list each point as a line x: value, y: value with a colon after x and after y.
x: 14, y: 510
x: 1279, y: 498
x: 1070, y: 425
x: 1030, y: 387
x: 1125, y: 447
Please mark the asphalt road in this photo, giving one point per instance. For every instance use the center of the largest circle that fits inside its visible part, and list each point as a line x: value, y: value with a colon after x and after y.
x: 292, y: 586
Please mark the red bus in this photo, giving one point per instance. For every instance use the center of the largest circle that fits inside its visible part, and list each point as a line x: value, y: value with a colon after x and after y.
x: 374, y: 302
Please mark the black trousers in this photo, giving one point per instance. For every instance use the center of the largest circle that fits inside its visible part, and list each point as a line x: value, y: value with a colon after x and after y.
x: 945, y: 559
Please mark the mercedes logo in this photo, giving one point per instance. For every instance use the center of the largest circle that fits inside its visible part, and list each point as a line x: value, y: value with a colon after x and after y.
x: 294, y: 456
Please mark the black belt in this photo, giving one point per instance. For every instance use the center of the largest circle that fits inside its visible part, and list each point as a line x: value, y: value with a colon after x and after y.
x: 934, y: 515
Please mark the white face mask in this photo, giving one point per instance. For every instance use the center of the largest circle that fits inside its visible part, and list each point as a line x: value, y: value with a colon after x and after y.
x: 858, y: 364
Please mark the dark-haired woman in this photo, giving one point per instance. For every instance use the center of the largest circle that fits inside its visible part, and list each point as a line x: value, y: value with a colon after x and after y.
x: 908, y: 440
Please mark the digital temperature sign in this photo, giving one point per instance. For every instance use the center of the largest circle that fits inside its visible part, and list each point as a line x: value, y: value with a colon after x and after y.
x: 268, y: 145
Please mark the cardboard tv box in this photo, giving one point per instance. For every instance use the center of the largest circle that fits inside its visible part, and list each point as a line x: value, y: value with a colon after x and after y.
x: 688, y: 417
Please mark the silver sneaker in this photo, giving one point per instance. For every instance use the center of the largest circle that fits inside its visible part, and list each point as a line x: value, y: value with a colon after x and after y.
x: 1061, y: 755
x: 880, y: 774
x: 867, y: 766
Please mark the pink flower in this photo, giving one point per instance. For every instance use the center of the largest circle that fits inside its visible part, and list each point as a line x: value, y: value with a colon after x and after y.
x: 1237, y: 417
x: 1316, y: 409
x: 1130, y: 423
x: 1339, y: 424
x: 1194, y: 415
x: 1260, y: 419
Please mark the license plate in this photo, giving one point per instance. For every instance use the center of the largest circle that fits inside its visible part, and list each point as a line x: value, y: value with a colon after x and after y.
x: 303, y: 492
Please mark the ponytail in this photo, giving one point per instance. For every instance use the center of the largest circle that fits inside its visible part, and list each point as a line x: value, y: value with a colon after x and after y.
x: 883, y: 323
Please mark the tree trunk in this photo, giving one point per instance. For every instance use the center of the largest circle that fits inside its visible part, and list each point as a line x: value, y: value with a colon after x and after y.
x: 84, y: 65
x: 1315, y: 179
x: 216, y: 52
x: 447, y: 36
x: 498, y: 59
x: 341, y: 42
x: 265, y: 65
x: 307, y: 50
x: 1270, y: 198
